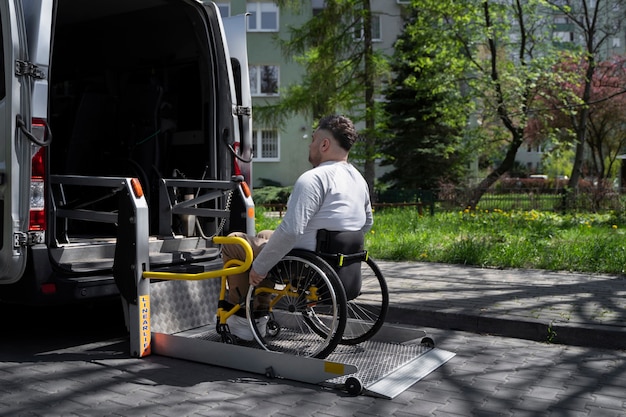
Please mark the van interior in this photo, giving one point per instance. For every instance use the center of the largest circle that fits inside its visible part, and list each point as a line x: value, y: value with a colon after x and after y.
x: 131, y: 91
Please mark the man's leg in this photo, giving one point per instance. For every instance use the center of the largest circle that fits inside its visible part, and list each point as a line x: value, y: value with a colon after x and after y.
x: 238, y: 284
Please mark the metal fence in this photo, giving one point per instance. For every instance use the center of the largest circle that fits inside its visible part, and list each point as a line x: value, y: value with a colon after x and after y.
x: 557, y: 200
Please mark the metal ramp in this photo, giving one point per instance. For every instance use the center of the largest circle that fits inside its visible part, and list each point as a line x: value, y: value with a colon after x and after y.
x: 183, y: 326
x: 176, y: 318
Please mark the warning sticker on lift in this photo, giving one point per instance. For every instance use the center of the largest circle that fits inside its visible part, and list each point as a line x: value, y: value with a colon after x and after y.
x: 144, y: 324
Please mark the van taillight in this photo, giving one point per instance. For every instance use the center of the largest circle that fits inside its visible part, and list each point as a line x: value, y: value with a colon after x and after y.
x: 237, y: 168
x: 37, y: 180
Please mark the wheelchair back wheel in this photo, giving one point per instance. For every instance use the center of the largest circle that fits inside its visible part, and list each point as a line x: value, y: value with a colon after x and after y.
x: 367, y: 312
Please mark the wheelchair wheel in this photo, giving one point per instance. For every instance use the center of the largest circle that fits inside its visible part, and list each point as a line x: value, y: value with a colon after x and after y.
x: 367, y: 312
x: 300, y: 308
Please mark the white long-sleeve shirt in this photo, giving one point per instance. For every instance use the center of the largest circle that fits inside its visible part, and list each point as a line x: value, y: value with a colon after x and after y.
x: 332, y: 196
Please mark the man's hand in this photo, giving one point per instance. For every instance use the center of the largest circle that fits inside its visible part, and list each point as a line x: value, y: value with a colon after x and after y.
x: 255, y: 278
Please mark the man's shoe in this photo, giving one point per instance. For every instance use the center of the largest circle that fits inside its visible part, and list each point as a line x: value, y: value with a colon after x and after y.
x: 239, y: 327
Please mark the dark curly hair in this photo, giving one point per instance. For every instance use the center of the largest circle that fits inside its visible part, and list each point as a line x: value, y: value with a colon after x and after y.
x: 342, y: 129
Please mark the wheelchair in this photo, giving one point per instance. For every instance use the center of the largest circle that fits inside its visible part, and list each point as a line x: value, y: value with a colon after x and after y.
x: 316, y: 300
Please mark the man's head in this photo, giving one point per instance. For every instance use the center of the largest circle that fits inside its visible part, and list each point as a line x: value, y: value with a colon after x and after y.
x: 332, y: 140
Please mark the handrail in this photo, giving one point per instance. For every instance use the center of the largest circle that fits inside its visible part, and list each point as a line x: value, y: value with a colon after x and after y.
x: 240, y: 266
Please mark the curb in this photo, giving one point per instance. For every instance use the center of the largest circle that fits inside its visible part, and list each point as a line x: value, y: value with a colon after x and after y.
x: 585, y: 335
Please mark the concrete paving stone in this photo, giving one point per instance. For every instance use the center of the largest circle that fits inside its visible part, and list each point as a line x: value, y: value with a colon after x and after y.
x: 383, y: 408
x: 292, y: 396
x: 460, y: 407
x: 307, y: 407
x: 531, y: 407
x: 340, y: 409
x: 610, y: 401
x: 420, y: 408
x: 494, y: 407
x: 545, y: 393
x: 509, y: 393
x: 585, y: 381
x: 265, y: 408
x: 609, y: 389
x: 574, y: 403
x: 486, y: 384
x: 595, y: 411
x: 184, y: 409
x: 93, y: 397
x: 558, y: 412
x: 266, y: 388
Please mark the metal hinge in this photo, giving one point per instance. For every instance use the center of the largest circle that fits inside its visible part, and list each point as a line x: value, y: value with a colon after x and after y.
x: 28, y: 68
x: 243, y: 111
x: 21, y: 239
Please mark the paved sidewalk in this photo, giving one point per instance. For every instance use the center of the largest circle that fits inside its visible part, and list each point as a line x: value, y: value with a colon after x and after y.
x: 558, y: 307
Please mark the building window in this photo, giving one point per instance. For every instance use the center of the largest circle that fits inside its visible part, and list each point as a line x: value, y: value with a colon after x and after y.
x: 265, y: 145
x: 264, y: 80
x: 224, y: 9
x: 376, y: 32
x: 564, y: 36
x: 263, y: 17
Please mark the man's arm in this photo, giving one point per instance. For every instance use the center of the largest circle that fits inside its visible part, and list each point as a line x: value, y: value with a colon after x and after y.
x: 305, y: 200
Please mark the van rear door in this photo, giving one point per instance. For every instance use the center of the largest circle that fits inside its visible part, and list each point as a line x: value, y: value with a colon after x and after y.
x: 236, y: 31
x: 14, y: 150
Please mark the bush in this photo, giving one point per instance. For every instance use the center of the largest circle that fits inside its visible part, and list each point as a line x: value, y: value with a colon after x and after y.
x: 271, y: 195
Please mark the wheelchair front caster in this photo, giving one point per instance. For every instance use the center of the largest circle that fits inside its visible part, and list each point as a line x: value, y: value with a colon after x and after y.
x: 273, y: 328
x: 229, y: 339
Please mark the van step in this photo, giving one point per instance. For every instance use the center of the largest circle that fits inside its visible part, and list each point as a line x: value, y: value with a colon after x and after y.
x: 182, y: 269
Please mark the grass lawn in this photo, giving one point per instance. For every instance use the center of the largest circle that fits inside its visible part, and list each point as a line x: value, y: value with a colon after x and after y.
x: 496, y: 238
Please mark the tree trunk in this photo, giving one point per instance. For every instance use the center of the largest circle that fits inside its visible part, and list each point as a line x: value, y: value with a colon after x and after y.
x: 370, y: 111
x: 506, y: 164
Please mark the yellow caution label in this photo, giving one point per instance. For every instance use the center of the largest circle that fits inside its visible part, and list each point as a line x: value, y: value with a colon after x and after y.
x: 144, y: 325
x: 334, y: 368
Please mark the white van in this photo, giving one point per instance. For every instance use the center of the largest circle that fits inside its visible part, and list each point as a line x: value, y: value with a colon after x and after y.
x: 96, y: 90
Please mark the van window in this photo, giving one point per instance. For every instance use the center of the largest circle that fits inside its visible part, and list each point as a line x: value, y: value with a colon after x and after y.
x: 3, y: 88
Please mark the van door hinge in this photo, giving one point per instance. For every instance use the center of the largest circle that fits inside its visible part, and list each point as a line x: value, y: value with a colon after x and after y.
x: 243, y: 111
x: 29, y: 69
x: 21, y: 239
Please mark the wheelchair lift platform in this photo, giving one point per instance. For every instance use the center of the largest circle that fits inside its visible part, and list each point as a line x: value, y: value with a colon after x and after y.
x: 176, y: 317
x: 380, y: 368
x: 384, y: 366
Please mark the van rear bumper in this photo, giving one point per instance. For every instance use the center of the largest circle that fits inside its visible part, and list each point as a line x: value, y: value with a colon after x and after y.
x: 43, y: 284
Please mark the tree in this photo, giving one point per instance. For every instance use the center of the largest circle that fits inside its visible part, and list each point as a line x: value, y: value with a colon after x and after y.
x: 340, y: 72
x: 606, y: 98
x: 499, y: 52
x: 598, y: 22
x: 424, y: 147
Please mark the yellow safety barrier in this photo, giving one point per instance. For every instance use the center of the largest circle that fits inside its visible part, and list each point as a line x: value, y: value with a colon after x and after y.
x: 237, y: 267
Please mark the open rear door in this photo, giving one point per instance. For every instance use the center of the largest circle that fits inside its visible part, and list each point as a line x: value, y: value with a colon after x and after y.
x: 236, y: 32
x: 14, y: 151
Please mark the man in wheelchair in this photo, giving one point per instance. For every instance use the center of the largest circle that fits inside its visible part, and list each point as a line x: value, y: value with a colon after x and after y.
x: 332, y: 196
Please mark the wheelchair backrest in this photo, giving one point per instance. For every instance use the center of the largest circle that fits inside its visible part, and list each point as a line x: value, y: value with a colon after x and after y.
x: 331, y: 245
